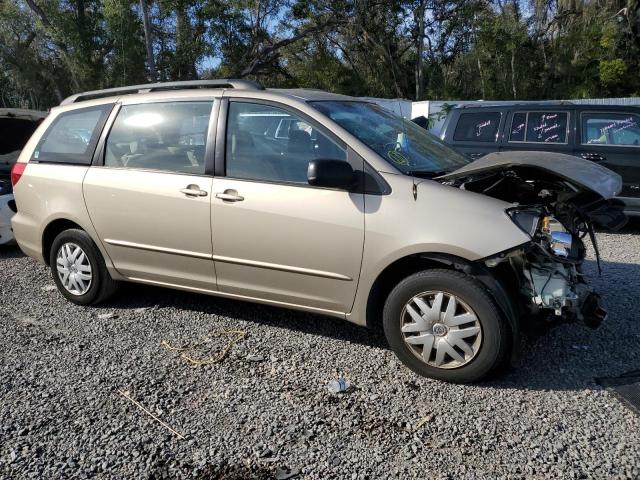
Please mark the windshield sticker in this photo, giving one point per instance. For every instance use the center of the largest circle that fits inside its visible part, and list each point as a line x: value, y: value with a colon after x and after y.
x: 398, y: 158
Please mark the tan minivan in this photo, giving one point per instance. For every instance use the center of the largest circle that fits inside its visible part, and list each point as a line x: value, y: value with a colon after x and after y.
x: 319, y: 202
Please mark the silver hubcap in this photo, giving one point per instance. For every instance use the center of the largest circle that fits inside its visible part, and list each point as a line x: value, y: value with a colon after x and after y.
x: 74, y: 269
x: 441, y: 330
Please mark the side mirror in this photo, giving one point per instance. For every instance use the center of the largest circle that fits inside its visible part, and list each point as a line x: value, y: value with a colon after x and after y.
x: 330, y: 174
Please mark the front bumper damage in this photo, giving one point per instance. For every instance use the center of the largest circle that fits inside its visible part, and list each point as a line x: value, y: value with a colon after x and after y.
x: 547, y: 285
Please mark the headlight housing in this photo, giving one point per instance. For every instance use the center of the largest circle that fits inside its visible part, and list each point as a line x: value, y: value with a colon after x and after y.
x: 527, y: 220
x: 545, y: 230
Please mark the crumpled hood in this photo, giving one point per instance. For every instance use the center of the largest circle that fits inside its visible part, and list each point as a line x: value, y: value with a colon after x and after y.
x: 582, y: 173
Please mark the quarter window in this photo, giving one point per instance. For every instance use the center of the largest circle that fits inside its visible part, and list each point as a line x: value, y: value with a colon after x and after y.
x: 168, y: 136
x: 72, y: 137
x: 610, y: 129
x: 272, y: 144
x: 477, y: 127
x: 547, y: 127
x: 518, y: 127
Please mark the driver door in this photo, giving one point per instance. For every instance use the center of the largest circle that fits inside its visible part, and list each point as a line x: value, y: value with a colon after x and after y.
x: 274, y: 236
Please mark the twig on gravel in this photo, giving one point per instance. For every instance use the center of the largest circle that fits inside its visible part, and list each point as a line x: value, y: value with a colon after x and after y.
x: 128, y: 397
x: 236, y: 336
x: 423, y: 422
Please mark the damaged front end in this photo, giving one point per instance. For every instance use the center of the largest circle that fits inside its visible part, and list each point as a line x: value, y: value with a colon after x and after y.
x: 546, y: 275
x: 557, y: 201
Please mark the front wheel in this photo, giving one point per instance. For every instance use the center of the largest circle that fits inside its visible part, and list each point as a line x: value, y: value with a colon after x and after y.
x: 444, y: 325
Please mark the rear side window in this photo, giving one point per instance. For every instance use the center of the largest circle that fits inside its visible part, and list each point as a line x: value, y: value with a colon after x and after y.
x: 610, y: 129
x: 72, y: 137
x: 169, y: 136
x: 547, y: 127
x: 477, y: 127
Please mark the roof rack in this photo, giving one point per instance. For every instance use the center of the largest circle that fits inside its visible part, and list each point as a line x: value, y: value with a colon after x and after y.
x: 155, y: 87
x: 515, y: 103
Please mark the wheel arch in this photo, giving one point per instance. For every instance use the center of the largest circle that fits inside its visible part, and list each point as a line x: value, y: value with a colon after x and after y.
x: 52, y: 230
x: 410, y: 264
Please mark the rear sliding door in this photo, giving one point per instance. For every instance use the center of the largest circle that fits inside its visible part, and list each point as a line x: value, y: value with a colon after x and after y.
x: 149, y: 196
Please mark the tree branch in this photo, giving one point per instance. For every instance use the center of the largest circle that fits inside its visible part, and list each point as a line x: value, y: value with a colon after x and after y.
x: 267, y: 54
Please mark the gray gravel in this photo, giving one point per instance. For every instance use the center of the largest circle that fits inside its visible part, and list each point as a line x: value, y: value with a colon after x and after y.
x: 264, y: 411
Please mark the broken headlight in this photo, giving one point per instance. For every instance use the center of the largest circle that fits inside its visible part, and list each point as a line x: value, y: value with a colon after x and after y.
x: 561, y: 243
x: 558, y: 239
x: 526, y: 220
x: 546, y: 230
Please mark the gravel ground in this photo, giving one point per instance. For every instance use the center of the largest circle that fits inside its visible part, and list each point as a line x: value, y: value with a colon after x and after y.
x: 68, y: 374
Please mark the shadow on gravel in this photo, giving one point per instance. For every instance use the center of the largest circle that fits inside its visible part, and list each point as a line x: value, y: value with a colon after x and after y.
x: 565, y: 358
x: 132, y: 296
x: 225, y: 471
x: 632, y: 227
x: 10, y: 251
x: 569, y: 357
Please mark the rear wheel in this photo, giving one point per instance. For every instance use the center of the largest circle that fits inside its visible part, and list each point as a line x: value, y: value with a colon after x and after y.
x: 442, y: 324
x: 78, y: 268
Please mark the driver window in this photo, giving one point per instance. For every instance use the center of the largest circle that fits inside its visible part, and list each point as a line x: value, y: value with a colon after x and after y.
x: 272, y: 144
x: 160, y: 136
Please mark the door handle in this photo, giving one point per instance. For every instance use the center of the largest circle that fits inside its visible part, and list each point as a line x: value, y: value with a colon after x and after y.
x: 634, y: 187
x: 193, y: 191
x: 475, y: 156
x: 229, y: 196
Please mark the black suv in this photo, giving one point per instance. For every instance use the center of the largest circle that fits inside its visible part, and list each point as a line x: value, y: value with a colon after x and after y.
x: 607, y: 134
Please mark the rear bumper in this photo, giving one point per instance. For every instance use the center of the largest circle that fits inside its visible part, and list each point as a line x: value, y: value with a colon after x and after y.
x: 27, y: 235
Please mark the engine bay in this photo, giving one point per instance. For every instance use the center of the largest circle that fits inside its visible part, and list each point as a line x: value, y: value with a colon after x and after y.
x: 557, y: 214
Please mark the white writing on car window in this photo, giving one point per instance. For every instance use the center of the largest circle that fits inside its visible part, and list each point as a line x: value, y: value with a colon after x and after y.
x: 611, y: 127
x: 481, y: 126
x: 517, y: 129
x: 619, y: 125
x: 549, y: 129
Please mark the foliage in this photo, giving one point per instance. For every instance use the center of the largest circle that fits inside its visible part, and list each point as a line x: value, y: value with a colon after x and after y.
x: 612, y: 71
x: 417, y: 49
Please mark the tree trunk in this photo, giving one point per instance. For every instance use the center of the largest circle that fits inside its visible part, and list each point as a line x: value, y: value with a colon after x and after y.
x: 480, y: 72
x: 148, y: 40
x: 185, y: 63
x: 420, y: 50
x: 513, y: 73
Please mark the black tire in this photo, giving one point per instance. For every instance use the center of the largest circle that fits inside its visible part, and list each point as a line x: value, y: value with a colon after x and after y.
x: 102, y: 286
x: 495, y: 340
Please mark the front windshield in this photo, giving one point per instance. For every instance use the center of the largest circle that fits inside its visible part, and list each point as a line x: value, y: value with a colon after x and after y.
x: 405, y: 145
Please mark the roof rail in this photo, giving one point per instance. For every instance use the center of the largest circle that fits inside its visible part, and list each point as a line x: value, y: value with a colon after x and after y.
x: 515, y: 103
x: 154, y: 87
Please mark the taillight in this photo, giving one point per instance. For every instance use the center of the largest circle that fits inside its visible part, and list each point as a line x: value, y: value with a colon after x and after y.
x: 16, y: 172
